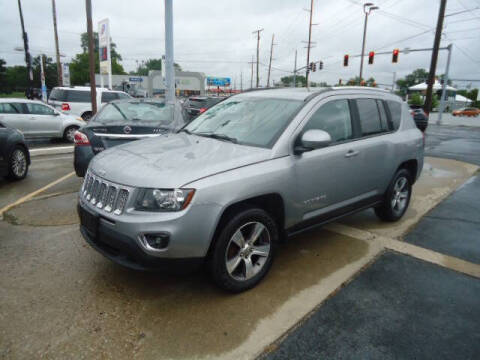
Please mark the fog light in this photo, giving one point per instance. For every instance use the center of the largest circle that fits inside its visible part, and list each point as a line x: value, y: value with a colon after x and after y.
x: 155, y: 241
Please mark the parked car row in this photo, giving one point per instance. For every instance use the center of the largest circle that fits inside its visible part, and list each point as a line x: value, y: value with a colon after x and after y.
x: 227, y: 187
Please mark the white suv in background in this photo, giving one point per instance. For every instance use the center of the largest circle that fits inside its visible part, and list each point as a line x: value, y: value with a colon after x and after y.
x: 76, y: 100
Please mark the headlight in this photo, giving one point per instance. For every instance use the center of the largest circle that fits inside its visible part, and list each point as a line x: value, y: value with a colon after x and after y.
x: 164, y: 199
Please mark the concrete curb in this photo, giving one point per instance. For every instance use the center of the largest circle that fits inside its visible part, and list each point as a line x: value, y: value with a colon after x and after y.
x: 51, y: 151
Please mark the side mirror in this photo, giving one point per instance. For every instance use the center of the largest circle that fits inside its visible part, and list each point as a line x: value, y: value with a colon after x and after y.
x: 313, y: 139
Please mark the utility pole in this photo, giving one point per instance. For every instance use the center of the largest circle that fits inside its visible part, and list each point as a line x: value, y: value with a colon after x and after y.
x: 433, y: 64
x: 367, y: 8
x: 295, y: 71
x: 258, y: 51
x: 309, y: 42
x: 270, y: 63
x: 444, y: 86
x: 91, y: 57
x: 394, y: 79
x: 169, y: 69
x: 57, y: 50
x: 28, y: 58
x: 251, y: 77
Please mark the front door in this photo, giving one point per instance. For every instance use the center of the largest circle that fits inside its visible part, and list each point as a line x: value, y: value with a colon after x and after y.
x: 12, y: 115
x: 326, y: 177
x: 43, y: 120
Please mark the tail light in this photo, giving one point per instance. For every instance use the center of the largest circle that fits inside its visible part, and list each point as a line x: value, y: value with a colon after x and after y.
x: 80, y: 139
x: 202, y: 110
x: 65, y: 107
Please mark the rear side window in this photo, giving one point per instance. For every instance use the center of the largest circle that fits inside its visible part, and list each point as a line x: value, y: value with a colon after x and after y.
x: 123, y: 96
x: 395, y: 113
x: 6, y: 108
x: 58, y: 95
x: 334, y: 118
x: 369, y: 117
x: 77, y: 96
x: 108, y: 96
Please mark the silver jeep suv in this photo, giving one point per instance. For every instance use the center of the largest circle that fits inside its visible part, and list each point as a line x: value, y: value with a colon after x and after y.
x: 247, y: 173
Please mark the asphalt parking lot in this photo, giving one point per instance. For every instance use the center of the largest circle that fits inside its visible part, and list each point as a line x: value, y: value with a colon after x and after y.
x: 61, y: 299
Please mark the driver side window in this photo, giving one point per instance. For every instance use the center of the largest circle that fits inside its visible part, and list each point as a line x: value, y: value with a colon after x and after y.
x: 334, y: 118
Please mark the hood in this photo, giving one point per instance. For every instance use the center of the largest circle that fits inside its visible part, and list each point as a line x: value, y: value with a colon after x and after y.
x: 173, y: 160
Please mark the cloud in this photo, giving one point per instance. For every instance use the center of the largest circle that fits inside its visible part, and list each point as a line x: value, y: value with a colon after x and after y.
x: 215, y: 36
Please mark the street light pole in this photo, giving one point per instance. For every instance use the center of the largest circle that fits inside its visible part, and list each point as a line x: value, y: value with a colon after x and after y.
x: 57, y: 51
x: 367, y: 8
x: 444, y: 86
x: 91, y: 57
x: 169, y: 69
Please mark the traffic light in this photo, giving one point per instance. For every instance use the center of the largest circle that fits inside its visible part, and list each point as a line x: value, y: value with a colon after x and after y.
x: 314, y: 66
x: 371, y: 55
x: 345, y: 60
x: 395, y: 56
x: 320, y: 65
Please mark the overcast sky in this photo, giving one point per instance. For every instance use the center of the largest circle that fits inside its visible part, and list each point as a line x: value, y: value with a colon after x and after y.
x: 215, y: 36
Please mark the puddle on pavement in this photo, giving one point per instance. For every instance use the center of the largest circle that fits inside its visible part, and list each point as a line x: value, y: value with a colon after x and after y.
x: 124, y: 313
x: 45, y: 211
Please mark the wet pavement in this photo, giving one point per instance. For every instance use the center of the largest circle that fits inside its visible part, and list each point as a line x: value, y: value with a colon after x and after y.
x: 61, y: 299
x: 398, y: 308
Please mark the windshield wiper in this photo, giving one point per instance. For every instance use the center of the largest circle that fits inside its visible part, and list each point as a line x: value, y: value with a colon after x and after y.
x: 218, y: 136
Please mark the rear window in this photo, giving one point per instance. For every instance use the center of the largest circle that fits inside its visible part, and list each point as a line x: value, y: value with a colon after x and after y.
x: 197, y: 103
x: 369, y: 117
x: 77, y: 96
x: 108, y: 96
x: 395, y: 113
x: 58, y: 95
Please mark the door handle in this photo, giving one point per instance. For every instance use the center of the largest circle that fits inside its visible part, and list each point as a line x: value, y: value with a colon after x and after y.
x: 351, y: 153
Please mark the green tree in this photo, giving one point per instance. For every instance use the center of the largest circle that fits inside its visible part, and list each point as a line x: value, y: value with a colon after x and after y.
x: 288, y: 80
x: 152, y: 64
x: 416, y: 77
x: 79, y: 66
x: 415, y: 99
x: 50, y: 72
x: 15, y: 78
x: 435, y: 102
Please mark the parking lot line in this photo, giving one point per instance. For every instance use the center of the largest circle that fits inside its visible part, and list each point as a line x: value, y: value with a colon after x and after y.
x: 34, y: 193
x: 51, y: 150
x: 449, y: 262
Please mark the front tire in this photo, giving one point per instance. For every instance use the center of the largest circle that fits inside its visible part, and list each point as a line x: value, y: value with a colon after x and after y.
x: 18, y: 164
x: 397, y: 197
x: 243, y: 251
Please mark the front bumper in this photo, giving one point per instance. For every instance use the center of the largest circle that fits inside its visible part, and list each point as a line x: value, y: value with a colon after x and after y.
x: 126, y: 251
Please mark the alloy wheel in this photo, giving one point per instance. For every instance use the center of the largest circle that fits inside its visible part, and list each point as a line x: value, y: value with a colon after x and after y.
x: 247, y: 251
x: 19, y: 163
x: 400, y: 194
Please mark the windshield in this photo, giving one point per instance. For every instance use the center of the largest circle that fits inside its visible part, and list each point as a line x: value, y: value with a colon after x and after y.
x: 143, y: 113
x: 246, y: 120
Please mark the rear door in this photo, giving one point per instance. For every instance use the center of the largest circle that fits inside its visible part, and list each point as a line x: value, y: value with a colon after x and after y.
x: 13, y: 115
x: 375, y: 147
x: 43, y: 120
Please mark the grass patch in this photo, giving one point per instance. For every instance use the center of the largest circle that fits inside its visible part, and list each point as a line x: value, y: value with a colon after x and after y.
x: 16, y: 94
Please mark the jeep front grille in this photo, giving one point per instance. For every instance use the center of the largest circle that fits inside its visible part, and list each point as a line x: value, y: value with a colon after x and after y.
x: 104, y: 194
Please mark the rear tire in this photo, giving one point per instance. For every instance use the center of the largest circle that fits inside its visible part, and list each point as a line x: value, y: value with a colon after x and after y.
x: 18, y: 164
x: 69, y: 133
x: 243, y: 251
x: 397, y: 197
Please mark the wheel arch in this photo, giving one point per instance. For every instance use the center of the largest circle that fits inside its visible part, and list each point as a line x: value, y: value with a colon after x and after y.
x: 272, y: 203
x: 412, y: 167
